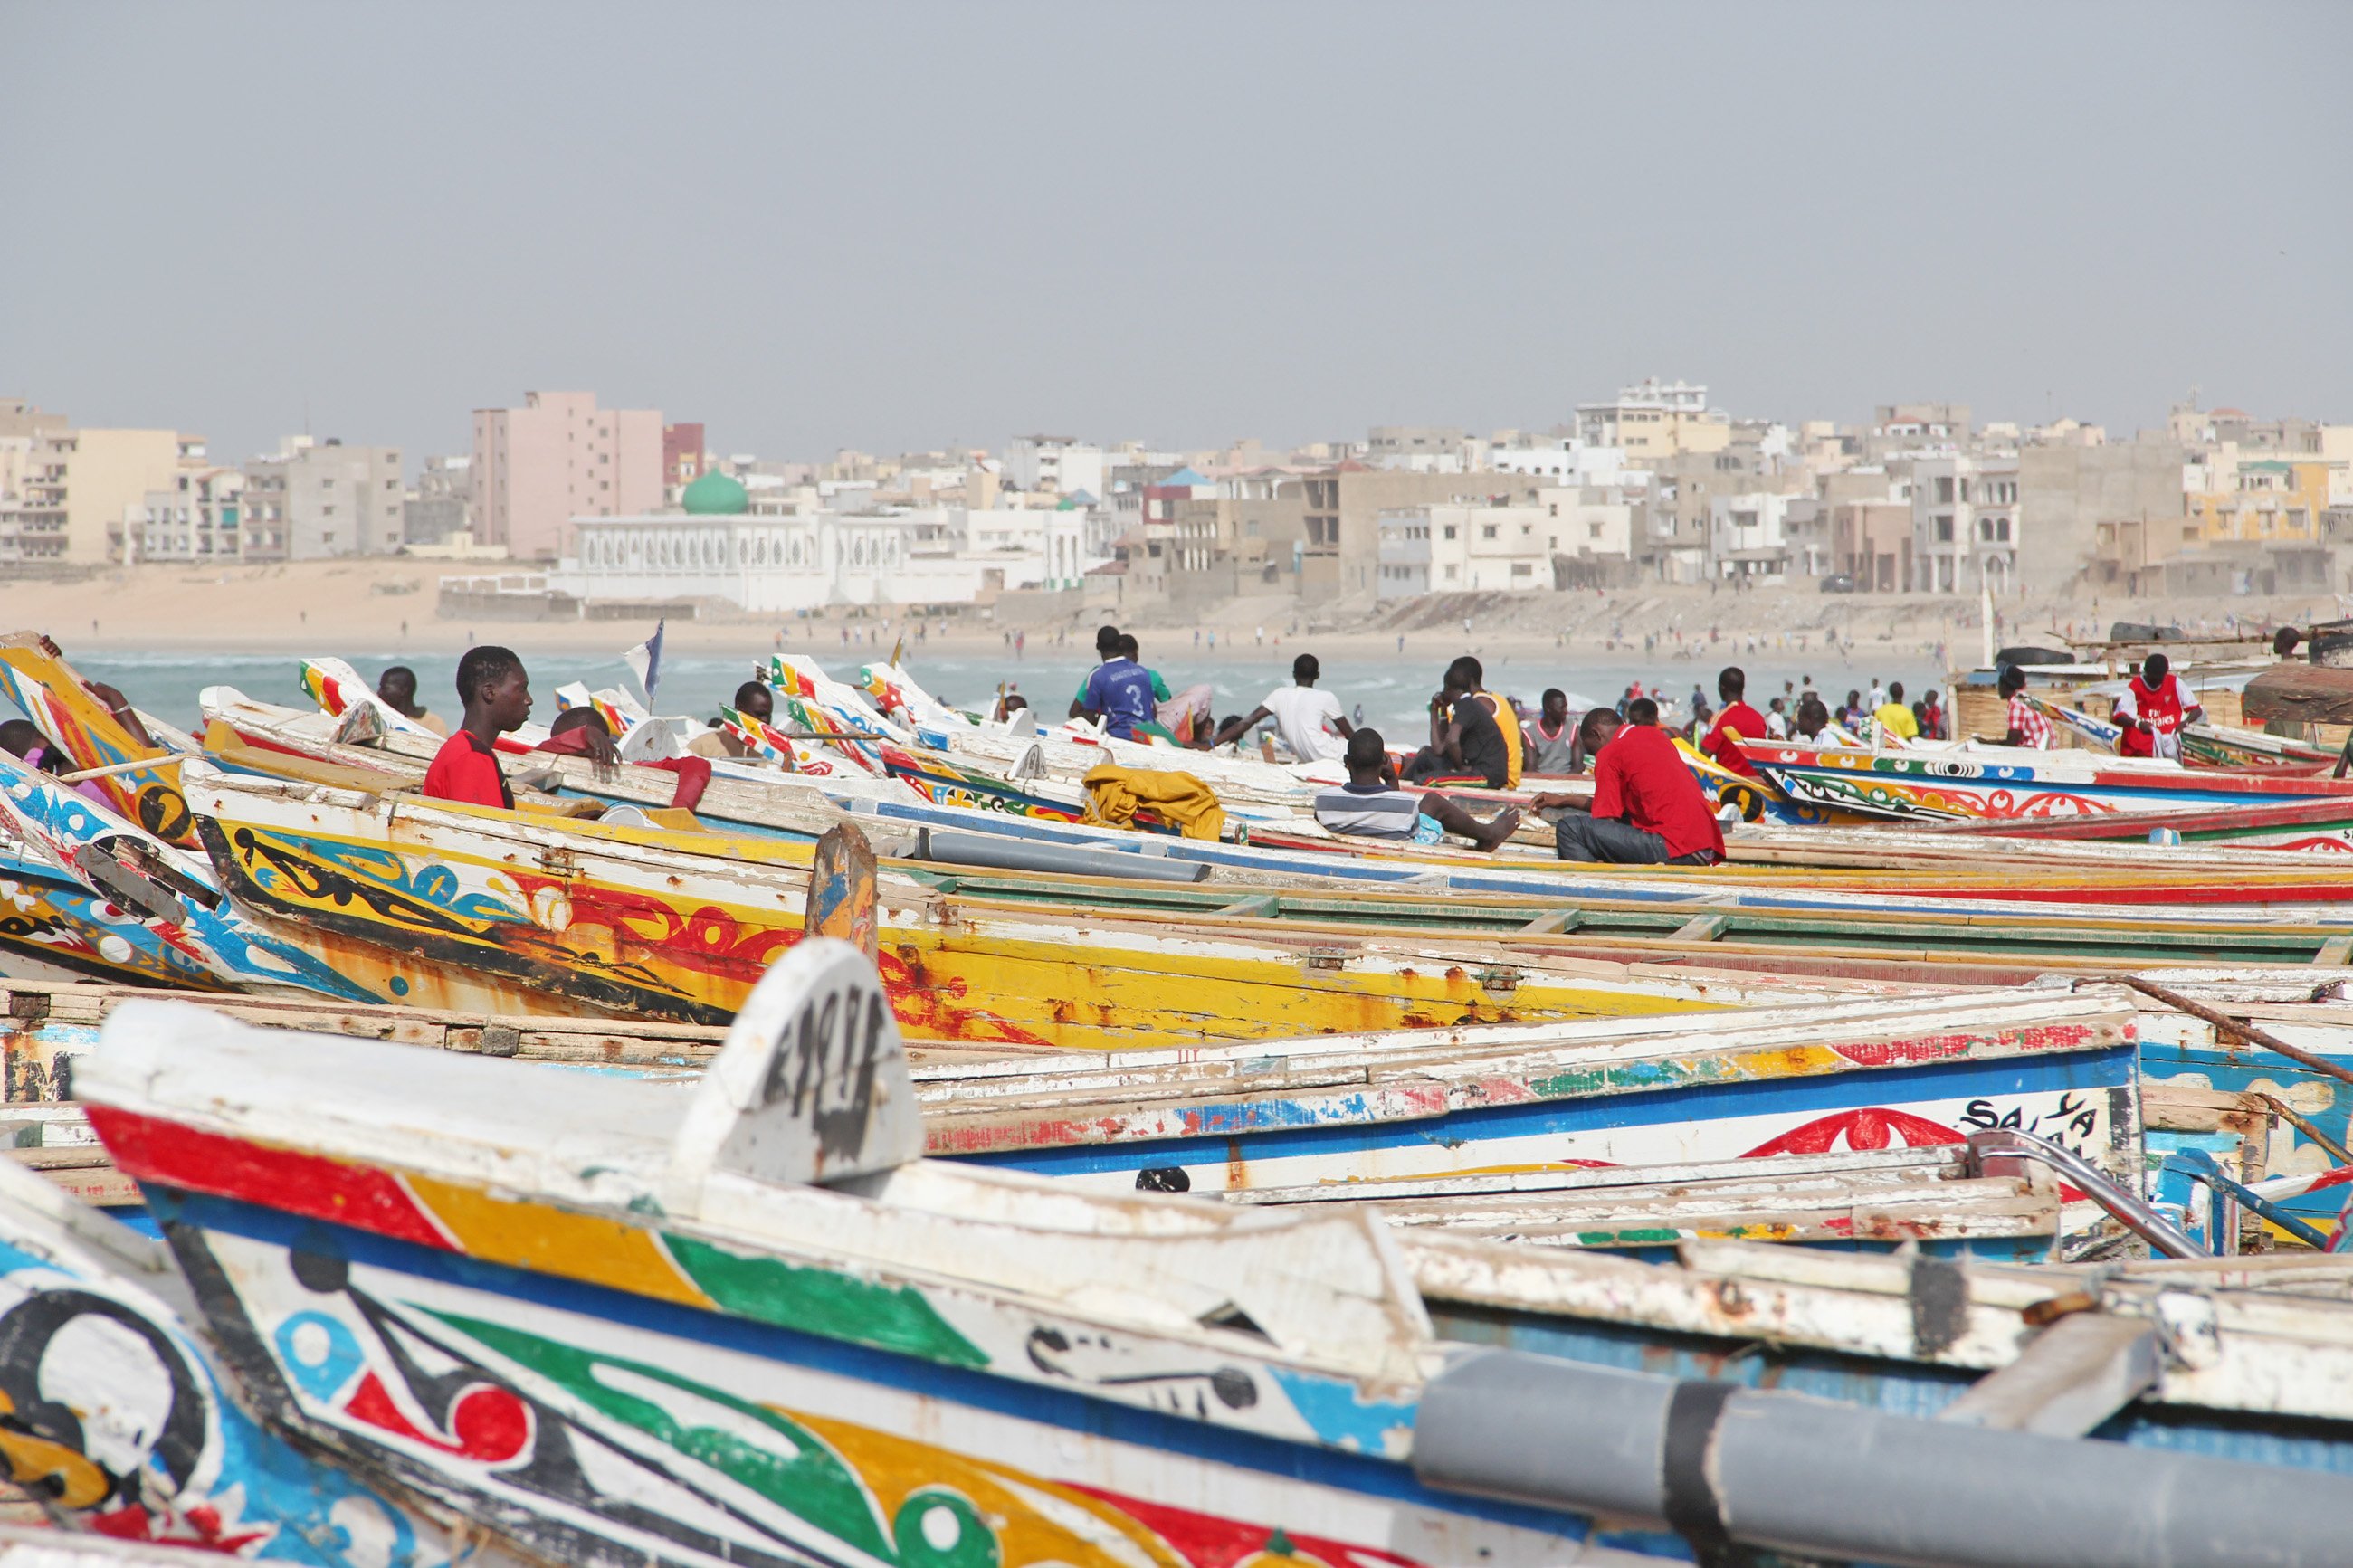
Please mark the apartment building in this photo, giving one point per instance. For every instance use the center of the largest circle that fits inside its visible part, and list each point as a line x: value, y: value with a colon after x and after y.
x: 202, y: 517
x: 439, y: 504
x: 1060, y: 464
x: 2237, y: 497
x: 557, y: 457
x: 1965, y: 523
x: 81, y: 494
x: 341, y: 500
x: 1458, y: 548
x: 1341, y: 553
x: 1655, y: 420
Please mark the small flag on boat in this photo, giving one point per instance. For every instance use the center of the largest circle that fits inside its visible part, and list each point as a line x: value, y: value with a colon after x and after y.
x: 645, y: 660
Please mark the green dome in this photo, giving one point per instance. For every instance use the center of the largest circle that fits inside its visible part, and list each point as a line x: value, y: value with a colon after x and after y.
x: 716, y: 495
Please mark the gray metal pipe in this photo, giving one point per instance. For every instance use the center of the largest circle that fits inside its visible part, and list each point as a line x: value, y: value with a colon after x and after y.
x: 1001, y: 852
x: 1813, y: 1477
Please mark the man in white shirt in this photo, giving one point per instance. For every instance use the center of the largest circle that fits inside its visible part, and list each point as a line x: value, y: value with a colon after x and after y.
x: 1310, y: 720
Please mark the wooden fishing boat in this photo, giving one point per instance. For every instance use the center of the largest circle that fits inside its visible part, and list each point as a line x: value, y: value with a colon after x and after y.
x: 611, y: 1319
x: 165, y: 893
x: 801, y: 806
x: 53, y: 925
x: 568, y: 915
x: 2298, y: 826
x: 1897, y: 1080
x: 120, y: 1420
x: 2005, y: 782
x: 50, y: 693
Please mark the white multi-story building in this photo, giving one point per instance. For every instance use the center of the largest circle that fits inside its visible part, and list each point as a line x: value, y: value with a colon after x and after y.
x: 775, y: 562
x: 200, y: 518
x: 1563, y: 459
x: 1746, y: 533
x: 1965, y: 522
x: 1595, y: 521
x: 1464, y: 549
x: 1062, y: 464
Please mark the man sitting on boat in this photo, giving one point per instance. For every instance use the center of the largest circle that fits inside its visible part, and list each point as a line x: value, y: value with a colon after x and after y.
x: 1310, y: 720
x: 496, y: 695
x: 1468, y: 741
x: 753, y: 700
x: 2152, y: 711
x: 1120, y: 692
x: 1737, y: 722
x: 1647, y: 807
x: 1370, y: 804
x: 397, y: 688
x: 2028, y: 727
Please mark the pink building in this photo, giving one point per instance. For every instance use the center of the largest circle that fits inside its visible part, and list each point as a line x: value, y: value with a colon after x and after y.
x: 557, y: 458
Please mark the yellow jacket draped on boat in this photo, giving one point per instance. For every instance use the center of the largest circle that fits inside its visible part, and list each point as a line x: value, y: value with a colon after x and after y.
x: 1114, y: 793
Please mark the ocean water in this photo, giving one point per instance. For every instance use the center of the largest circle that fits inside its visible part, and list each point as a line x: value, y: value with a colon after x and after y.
x: 1389, y: 691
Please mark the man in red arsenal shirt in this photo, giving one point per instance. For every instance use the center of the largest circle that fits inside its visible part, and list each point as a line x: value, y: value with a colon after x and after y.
x: 1647, y: 807
x: 2152, y: 711
x: 1736, y: 722
x: 496, y: 695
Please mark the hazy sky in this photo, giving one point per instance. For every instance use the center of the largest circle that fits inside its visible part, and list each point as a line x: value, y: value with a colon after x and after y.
x: 901, y: 226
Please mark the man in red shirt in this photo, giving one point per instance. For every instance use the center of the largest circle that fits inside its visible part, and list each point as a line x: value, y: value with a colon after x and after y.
x: 2152, y: 711
x: 1739, y: 721
x: 496, y: 695
x: 1647, y: 807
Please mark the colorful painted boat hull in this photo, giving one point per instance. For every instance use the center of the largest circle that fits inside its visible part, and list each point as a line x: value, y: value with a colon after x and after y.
x: 588, y: 1421
x: 682, y: 926
x: 1946, y: 785
x: 119, y: 1419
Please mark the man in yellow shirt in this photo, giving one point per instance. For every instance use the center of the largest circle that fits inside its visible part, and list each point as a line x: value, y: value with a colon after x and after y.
x: 1894, y: 718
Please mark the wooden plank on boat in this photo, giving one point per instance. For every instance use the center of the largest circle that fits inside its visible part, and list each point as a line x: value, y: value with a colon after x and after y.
x: 2335, y: 952
x: 1555, y: 923
x: 1704, y: 927
x: 1259, y: 906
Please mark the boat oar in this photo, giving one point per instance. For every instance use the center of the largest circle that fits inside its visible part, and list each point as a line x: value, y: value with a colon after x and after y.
x: 111, y: 768
x: 2230, y: 1026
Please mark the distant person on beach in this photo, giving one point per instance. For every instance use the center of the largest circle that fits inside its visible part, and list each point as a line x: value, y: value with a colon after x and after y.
x: 1850, y: 716
x: 2028, y: 727
x: 397, y: 687
x: 1309, y: 720
x: 2153, y: 710
x: 1371, y: 805
x: 1647, y: 808
x: 753, y: 700
x: 1776, y: 719
x: 1894, y: 720
x: 1551, y: 740
x: 1466, y: 744
x: 497, y: 697
x: 1737, y: 722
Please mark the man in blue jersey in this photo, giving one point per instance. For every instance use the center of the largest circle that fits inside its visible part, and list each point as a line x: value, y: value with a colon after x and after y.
x: 1118, y: 694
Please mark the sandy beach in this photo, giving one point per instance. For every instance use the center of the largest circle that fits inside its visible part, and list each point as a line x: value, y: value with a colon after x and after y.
x: 390, y: 603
